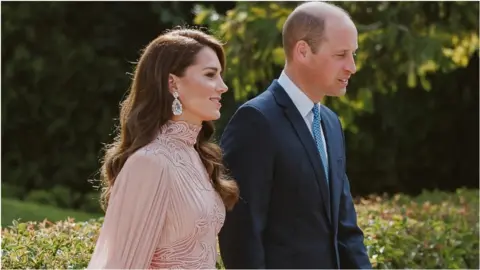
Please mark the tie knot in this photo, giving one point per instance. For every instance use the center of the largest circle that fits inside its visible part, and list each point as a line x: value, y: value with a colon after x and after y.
x: 316, y: 111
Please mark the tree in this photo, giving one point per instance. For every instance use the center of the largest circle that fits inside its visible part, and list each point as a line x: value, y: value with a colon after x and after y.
x: 412, y: 102
x: 397, y: 41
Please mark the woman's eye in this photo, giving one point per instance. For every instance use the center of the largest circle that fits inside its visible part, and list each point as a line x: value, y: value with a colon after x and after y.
x: 210, y: 75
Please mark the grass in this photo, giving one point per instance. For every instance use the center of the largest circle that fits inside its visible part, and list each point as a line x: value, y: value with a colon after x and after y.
x: 26, y: 211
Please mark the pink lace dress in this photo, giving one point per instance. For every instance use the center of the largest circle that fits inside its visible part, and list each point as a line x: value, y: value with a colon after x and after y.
x: 163, y: 211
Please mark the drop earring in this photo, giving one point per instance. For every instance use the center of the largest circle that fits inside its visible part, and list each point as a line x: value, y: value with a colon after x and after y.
x: 176, y: 105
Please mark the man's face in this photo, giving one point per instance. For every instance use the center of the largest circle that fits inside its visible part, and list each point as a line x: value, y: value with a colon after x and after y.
x: 333, y: 63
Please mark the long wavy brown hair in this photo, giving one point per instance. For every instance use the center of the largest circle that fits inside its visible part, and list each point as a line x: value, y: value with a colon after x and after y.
x: 149, y: 106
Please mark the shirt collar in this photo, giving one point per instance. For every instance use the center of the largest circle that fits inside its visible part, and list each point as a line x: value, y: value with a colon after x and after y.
x: 303, y: 103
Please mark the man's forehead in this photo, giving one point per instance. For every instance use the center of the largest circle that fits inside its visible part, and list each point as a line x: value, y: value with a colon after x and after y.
x: 339, y: 26
x: 341, y: 37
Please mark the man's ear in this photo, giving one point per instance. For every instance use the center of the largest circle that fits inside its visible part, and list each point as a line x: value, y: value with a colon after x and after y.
x: 301, y: 51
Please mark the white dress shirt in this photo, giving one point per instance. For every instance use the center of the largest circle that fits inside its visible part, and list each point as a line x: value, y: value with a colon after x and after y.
x: 303, y: 103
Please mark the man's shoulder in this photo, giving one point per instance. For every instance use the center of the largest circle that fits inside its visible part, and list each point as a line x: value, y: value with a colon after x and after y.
x: 263, y: 102
x: 331, y: 114
x: 260, y: 109
x: 329, y: 111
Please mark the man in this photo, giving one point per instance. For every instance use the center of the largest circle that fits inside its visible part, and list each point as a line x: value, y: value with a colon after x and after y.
x: 287, y: 153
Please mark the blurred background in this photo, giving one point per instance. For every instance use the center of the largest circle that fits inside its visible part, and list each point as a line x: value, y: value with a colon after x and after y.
x: 411, y: 112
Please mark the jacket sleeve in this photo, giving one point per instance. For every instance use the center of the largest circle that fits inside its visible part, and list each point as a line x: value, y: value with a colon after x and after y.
x: 248, y: 155
x: 351, y: 247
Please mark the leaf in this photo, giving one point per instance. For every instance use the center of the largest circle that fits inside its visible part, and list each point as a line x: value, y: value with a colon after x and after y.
x: 258, y: 12
x: 278, y: 56
x: 412, y: 76
x: 201, y: 16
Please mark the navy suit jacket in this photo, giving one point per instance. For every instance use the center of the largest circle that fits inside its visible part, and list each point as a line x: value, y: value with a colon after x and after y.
x: 286, y: 216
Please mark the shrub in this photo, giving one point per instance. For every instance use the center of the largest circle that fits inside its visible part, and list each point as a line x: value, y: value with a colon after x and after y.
x: 41, y: 196
x: 420, y: 232
x: 63, y: 197
x: 91, y: 202
x: 12, y: 191
x: 401, y: 232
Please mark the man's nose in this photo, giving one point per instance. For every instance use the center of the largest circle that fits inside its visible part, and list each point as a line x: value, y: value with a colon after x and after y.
x: 350, y: 66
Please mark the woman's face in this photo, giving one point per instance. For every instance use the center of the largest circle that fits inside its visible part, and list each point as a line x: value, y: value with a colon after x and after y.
x: 200, y: 88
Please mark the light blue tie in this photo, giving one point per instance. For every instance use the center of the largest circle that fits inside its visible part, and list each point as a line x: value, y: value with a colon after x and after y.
x: 317, y: 134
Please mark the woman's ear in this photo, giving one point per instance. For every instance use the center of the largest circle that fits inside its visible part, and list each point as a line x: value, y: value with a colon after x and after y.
x: 172, y: 83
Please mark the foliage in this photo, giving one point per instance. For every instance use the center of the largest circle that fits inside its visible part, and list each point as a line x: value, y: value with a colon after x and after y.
x: 64, y: 74
x: 424, y: 232
x: 415, y: 38
x: 20, y: 211
x: 413, y: 98
x: 417, y: 139
x: 433, y: 230
x: 66, y: 68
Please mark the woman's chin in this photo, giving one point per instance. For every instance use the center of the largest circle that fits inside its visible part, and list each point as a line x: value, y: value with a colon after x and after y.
x: 214, y: 115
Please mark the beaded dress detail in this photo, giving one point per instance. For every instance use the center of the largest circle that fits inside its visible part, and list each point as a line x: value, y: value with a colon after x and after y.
x: 163, y: 210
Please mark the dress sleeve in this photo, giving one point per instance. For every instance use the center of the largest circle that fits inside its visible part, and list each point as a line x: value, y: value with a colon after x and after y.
x: 135, y: 215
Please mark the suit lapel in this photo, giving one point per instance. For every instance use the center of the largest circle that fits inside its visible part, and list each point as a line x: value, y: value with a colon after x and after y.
x: 306, y: 138
x: 335, y: 163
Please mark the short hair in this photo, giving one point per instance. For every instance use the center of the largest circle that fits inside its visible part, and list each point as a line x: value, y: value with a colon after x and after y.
x: 307, y: 23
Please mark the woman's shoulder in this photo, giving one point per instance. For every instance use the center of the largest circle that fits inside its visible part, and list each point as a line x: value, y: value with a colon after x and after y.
x: 142, y: 171
x: 153, y: 155
x: 145, y: 167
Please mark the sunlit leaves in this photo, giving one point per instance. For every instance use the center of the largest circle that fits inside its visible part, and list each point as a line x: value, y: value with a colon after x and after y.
x: 397, y: 41
x: 463, y: 48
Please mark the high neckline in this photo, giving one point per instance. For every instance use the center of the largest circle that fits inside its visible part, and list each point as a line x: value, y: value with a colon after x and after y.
x: 182, y: 131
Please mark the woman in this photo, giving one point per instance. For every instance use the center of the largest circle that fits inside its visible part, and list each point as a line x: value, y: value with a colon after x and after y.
x: 165, y: 184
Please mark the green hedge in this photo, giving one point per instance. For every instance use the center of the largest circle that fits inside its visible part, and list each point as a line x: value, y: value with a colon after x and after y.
x: 28, y: 211
x: 433, y: 230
